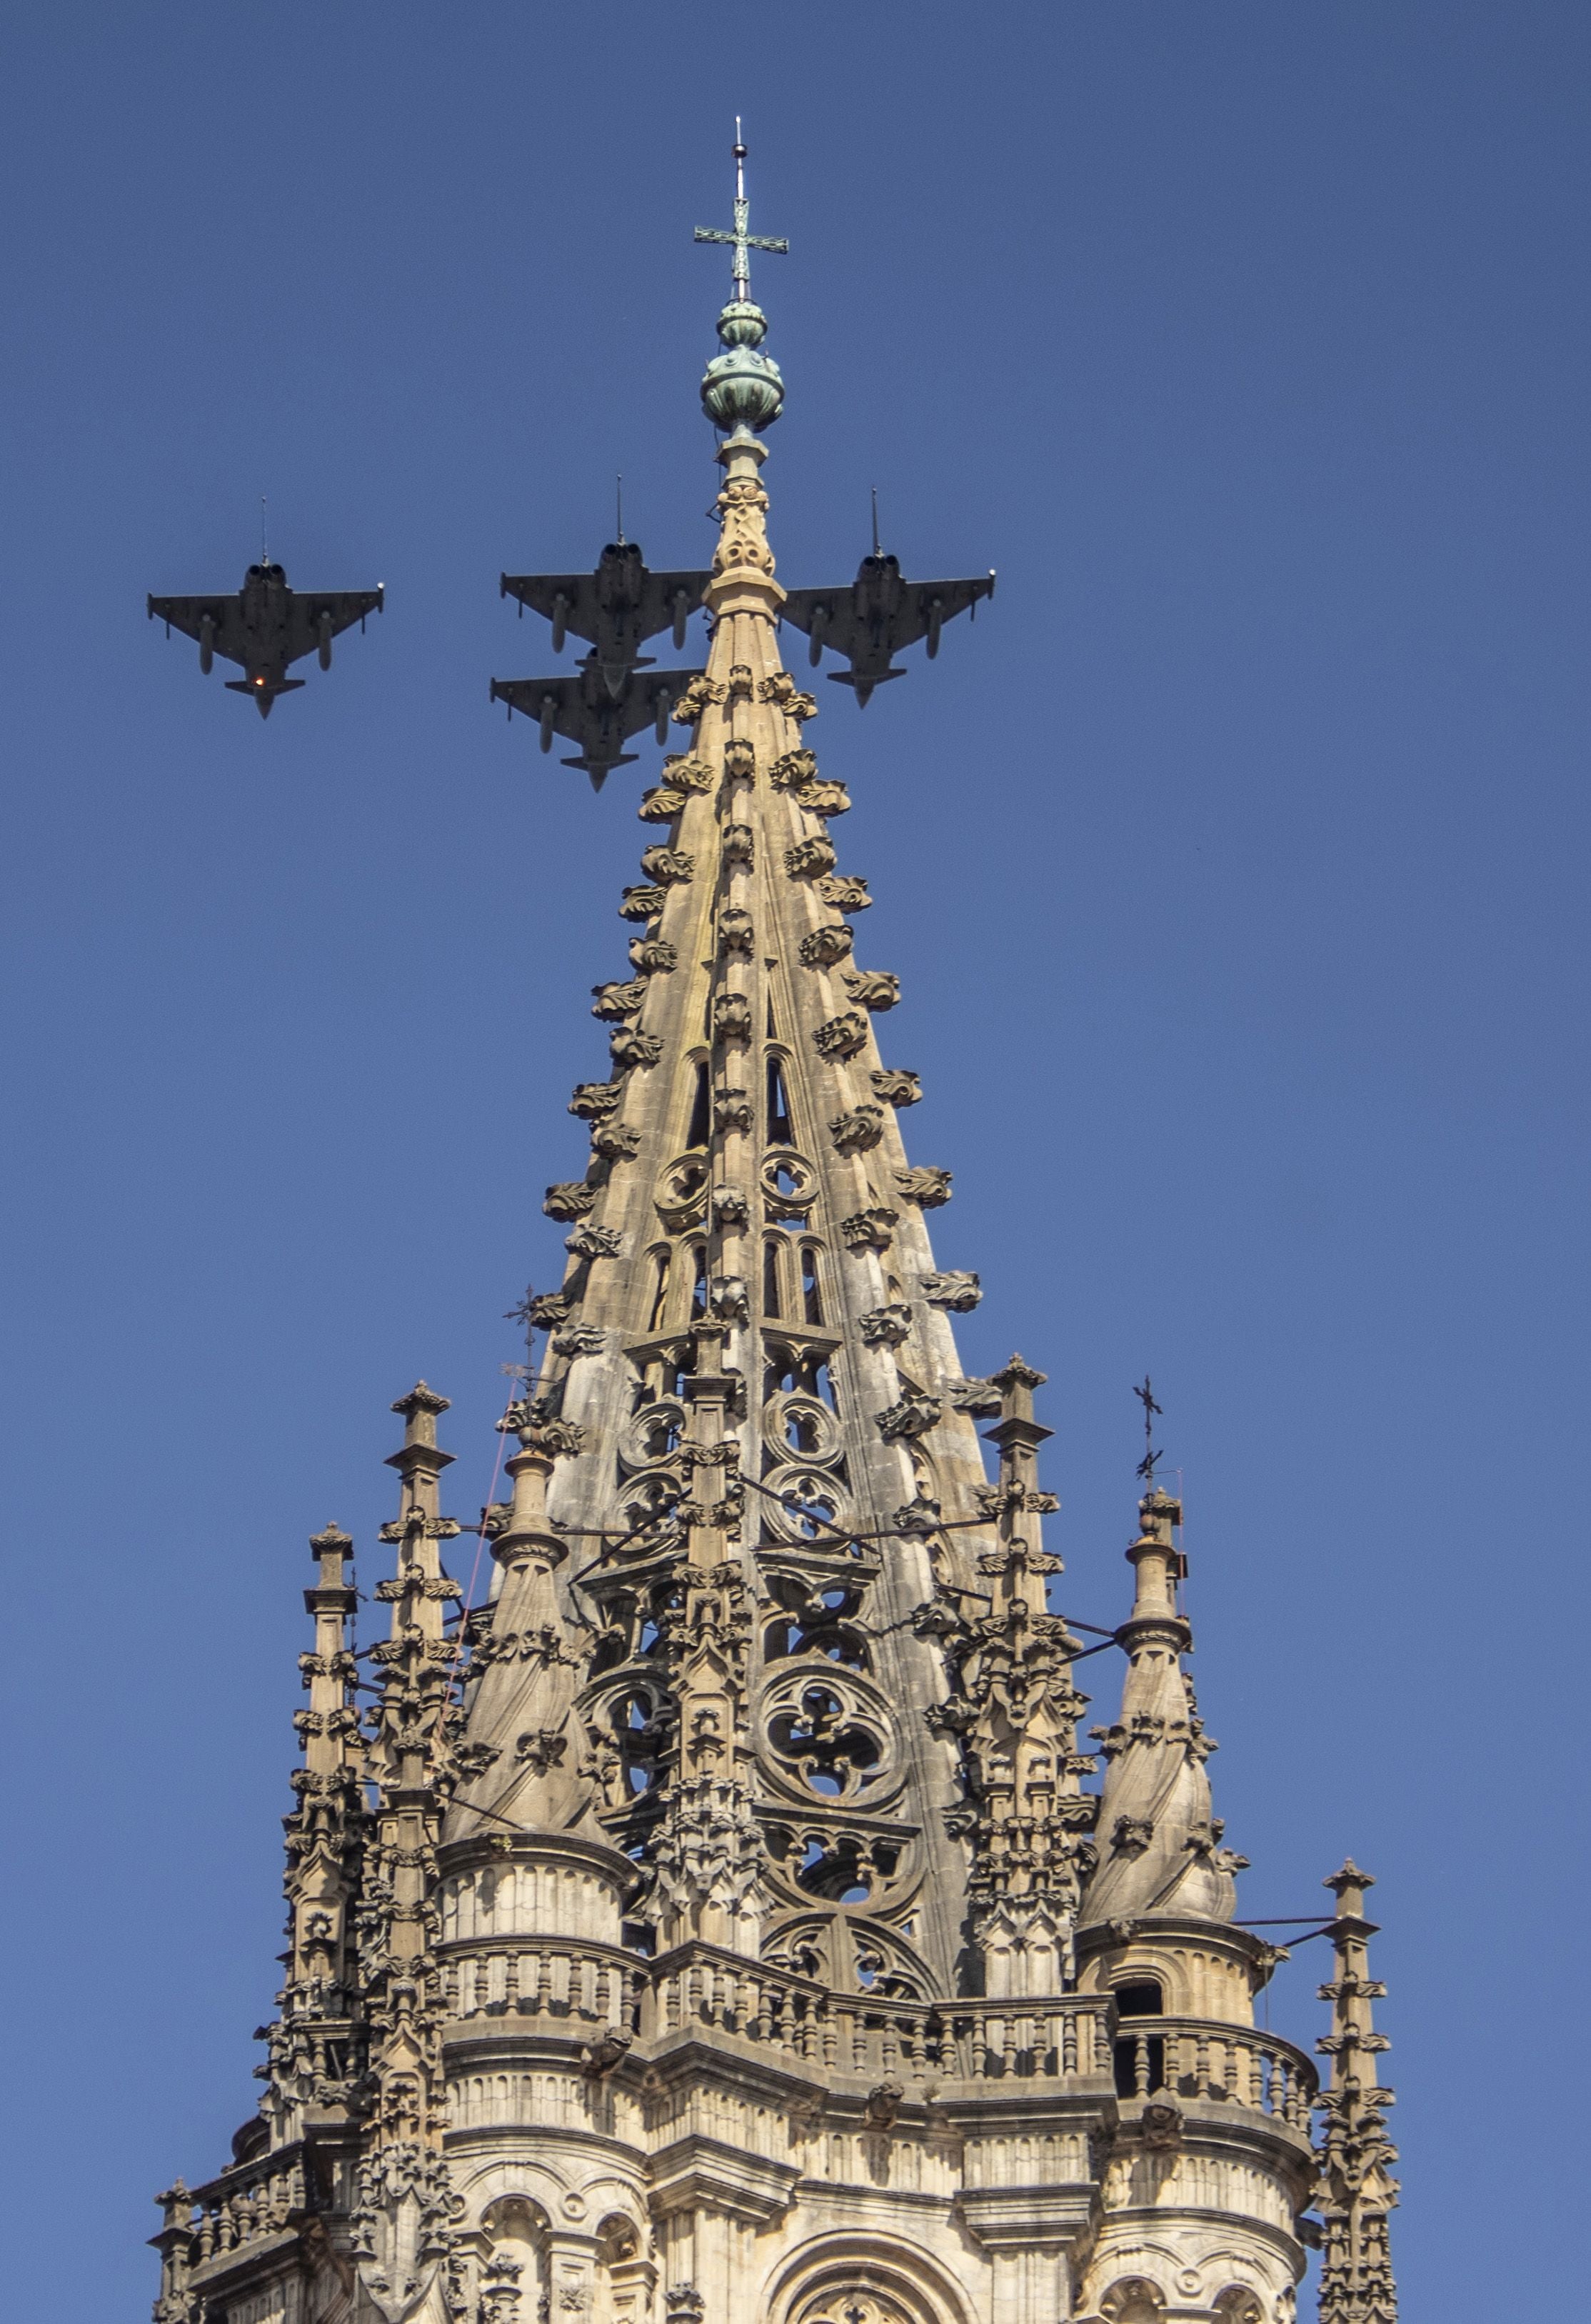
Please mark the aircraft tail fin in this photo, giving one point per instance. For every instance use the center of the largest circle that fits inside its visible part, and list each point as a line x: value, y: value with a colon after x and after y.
x: 264, y: 694
x: 864, y: 685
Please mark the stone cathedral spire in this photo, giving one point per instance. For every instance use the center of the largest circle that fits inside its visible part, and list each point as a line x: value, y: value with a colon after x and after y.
x: 718, y: 1921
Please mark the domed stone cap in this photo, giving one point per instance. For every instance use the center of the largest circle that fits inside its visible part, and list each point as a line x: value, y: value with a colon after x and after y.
x: 742, y: 388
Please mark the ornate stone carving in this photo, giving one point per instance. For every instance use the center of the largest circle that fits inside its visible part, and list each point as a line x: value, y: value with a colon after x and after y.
x: 740, y: 677
x: 594, y: 1242
x: 740, y: 845
x: 682, y: 1193
x: 548, y: 1309
x: 615, y: 1142
x: 781, y: 690
x: 842, y: 1036
x: 602, y: 2053
x: 912, y: 1416
x: 653, y: 956
x: 687, y: 772
x: 956, y: 1290
x: 871, y: 988
x: 596, y: 1100
x: 735, y: 931
x: 843, y: 893
x: 728, y: 1299
x: 580, y: 1340
x: 500, y: 2290
x: 922, y: 1514
x: 794, y: 769
x: 731, y: 1016
x: 869, y: 1229
x: 731, y: 1110
x: 668, y: 866
x: 889, y: 1326
x: 729, y: 1207
x: 927, y: 1187
x: 697, y: 697
x: 894, y: 1086
x: 740, y: 759
x: 539, y: 1428
x: 808, y: 857
x: 826, y: 945
x: 660, y: 803
x: 572, y: 1199
x: 981, y: 1397
x: 642, y: 903
x: 628, y: 1049
x: 857, y: 1131
x: 824, y: 798
x: 615, y: 1003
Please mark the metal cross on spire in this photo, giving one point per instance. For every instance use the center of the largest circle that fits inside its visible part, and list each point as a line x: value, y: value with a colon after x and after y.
x: 741, y: 242
x: 1146, y: 1468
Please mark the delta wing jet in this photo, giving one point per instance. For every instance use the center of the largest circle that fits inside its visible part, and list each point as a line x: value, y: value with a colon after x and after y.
x: 583, y: 706
x: 616, y: 609
x: 266, y: 628
x: 877, y: 617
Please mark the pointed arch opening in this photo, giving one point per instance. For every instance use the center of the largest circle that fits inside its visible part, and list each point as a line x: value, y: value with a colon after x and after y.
x: 779, y: 1132
x: 701, y: 1122
x: 811, y: 1288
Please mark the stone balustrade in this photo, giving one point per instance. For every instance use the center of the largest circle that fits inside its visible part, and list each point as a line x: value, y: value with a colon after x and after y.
x: 1200, y: 2058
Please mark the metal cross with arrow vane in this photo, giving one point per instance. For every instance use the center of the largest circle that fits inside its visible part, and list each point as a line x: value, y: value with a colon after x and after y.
x: 1152, y: 1411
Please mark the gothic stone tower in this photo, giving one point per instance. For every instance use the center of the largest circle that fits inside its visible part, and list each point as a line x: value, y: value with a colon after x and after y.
x: 717, y: 1925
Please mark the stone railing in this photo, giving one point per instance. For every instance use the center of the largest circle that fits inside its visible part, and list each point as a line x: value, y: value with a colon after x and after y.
x: 250, y: 2200
x: 858, y: 2033
x: 1200, y: 2058
x: 597, y: 1984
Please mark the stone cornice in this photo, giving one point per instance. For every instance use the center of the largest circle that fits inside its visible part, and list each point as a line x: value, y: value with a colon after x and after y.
x: 699, y: 2174
x: 1028, y: 2219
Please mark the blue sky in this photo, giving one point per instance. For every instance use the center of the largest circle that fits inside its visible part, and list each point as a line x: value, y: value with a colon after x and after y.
x: 1234, y: 867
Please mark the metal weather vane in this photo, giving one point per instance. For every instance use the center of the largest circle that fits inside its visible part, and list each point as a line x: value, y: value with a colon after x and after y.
x: 524, y: 1315
x: 1146, y: 1468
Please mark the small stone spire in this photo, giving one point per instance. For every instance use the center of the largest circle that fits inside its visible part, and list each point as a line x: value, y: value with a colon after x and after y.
x: 525, y: 1664
x: 1356, y: 2190
x: 1016, y: 1712
x: 709, y: 1849
x: 309, y: 2056
x: 1160, y: 1846
x: 402, y: 2228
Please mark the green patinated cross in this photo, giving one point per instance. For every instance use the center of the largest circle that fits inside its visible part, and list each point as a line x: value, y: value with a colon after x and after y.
x: 741, y: 242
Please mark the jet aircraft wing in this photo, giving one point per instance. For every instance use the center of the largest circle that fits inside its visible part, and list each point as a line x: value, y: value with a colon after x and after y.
x: 305, y: 623
x: 616, y: 608
x: 314, y: 619
x: 580, y: 707
x: 225, y: 618
x: 877, y: 616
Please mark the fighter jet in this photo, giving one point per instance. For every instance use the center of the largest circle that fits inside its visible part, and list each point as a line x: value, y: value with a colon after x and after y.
x: 615, y: 609
x: 584, y: 708
x: 879, y: 615
x: 266, y: 627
